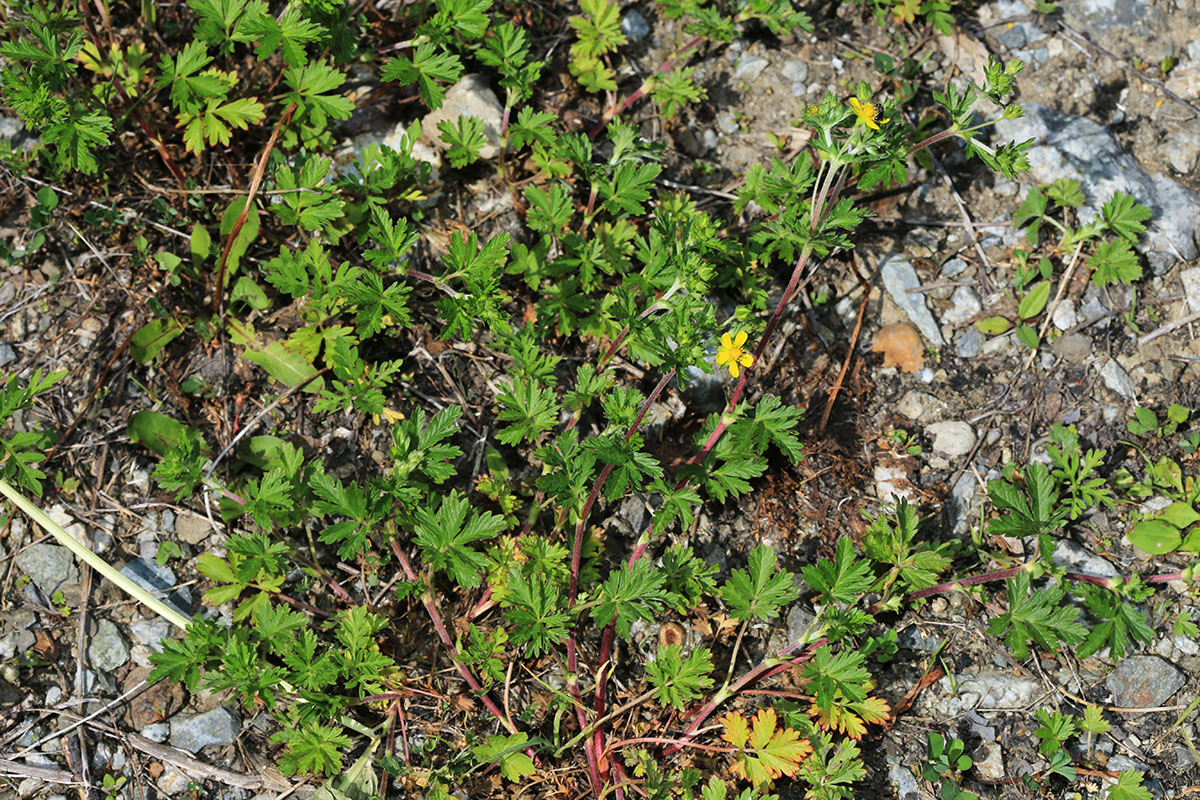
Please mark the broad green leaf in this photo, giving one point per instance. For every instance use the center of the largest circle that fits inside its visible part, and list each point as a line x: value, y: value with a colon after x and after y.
x: 1179, y: 514
x: 153, y: 337
x: 157, y: 431
x: 1155, y: 536
x: 1034, y: 301
x: 993, y: 326
x: 286, y: 366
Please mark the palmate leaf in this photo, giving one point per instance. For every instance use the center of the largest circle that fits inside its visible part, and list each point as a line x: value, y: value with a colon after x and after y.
x: 678, y: 681
x: 1124, y: 216
x: 760, y: 592
x: 1040, y: 618
x: 845, y: 578
x: 767, y: 752
x: 444, y: 535
x: 214, y: 122
x: 1121, y: 621
x: 428, y: 66
x: 852, y: 717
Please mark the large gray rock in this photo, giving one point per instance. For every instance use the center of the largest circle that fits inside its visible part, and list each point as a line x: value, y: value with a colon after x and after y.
x: 1126, y: 27
x: 159, y: 580
x: 192, y: 732
x: 1066, y: 146
x: 107, y: 649
x: 1143, y: 682
x: 49, y: 566
x: 898, y: 277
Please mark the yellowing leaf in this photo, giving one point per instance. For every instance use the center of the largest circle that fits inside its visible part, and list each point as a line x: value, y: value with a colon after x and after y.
x: 852, y: 718
x: 768, y: 752
x: 737, y: 731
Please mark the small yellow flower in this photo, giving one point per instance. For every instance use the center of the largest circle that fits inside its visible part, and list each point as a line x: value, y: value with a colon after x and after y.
x: 731, y: 352
x: 866, y: 112
x: 391, y: 416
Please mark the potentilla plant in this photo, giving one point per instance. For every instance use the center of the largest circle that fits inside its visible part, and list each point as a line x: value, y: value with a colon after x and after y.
x: 609, y: 275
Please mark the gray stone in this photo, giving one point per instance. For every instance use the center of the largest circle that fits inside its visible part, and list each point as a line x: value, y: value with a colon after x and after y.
x: 1182, y: 150
x: 794, y: 70
x: 192, y: 732
x: 892, y: 484
x: 1066, y: 146
x: 920, y: 406
x: 954, y: 267
x: 989, y: 762
x: 10, y: 127
x: 150, y: 632
x: 1123, y: 26
x: 952, y: 439
x: 107, y: 649
x: 898, y: 277
x: 799, y: 623
x: 705, y: 392
x: 1074, y: 347
x: 172, y: 781
x: 470, y: 97
x: 192, y: 528
x: 159, y: 580
x: 966, y: 305
x: 7, y: 354
x: 962, y: 501
x: 1072, y: 555
x: 49, y: 566
x: 634, y: 26
x: 902, y: 778
x: 1117, y: 379
x: 913, y: 638
x: 1190, y: 278
x: 157, y: 731
x: 749, y: 67
x: 969, y: 344
x: 1064, y: 317
x: 1143, y: 682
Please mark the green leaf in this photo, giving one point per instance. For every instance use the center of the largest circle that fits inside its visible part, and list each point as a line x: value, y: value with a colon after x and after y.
x: 153, y: 337
x: 1114, y: 262
x: 1124, y: 216
x: 466, y: 140
x: 1180, y: 514
x: 286, y: 366
x: 157, y: 431
x: 444, y: 536
x: 1040, y: 617
x: 630, y: 593
x: 1129, y: 787
x: 760, y: 592
x: 426, y: 68
x: 845, y: 578
x: 514, y: 764
x: 1155, y: 536
x: 529, y: 409
x: 678, y: 681
x: 993, y: 326
x: 1034, y: 301
x: 1120, y: 621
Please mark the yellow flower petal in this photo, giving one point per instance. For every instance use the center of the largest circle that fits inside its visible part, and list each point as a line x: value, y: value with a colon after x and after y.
x: 723, y: 357
x: 733, y: 369
x: 726, y: 341
x: 740, y: 339
x: 746, y: 359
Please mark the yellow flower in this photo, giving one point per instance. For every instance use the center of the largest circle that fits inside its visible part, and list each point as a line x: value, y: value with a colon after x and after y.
x: 391, y: 416
x: 731, y: 352
x: 866, y: 113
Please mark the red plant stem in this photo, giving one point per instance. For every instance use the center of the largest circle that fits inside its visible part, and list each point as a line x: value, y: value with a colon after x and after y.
x: 594, y: 494
x: 439, y: 626
x: 255, y: 182
x: 663, y: 740
x: 949, y: 133
x: 641, y: 90
x: 764, y: 670
x: 1001, y: 574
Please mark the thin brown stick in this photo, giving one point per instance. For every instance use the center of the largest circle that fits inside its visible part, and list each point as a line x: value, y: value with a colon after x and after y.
x: 255, y: 181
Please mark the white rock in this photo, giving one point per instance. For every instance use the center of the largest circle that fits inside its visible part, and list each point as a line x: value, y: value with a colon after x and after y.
x: 1065, y: 317
x: 891, y: 484
x: 989, y: 762
x: 952, y: 438
x: 470, y: 97
x: 1191, y: 287
x: 966, y: 305
x: 1117, y: 379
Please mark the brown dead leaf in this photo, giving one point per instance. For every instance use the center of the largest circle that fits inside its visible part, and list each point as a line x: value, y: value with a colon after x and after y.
x: 45, y: 646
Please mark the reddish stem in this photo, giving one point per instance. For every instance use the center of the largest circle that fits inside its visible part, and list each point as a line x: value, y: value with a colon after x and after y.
x: 641, y: 90
x: 443, y: 634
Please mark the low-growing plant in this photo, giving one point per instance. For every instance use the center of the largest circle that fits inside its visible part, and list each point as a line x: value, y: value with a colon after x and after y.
x: 327, y: 289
